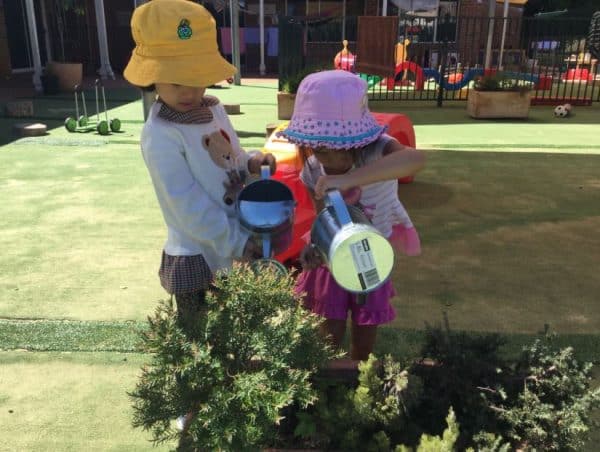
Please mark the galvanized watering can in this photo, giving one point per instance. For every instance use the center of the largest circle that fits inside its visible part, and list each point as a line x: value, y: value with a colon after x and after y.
x: 358, y: 256
x: 266, y: 208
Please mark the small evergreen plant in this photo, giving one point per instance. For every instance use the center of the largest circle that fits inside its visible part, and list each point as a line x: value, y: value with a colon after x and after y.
x: 369, y: 417
x: 255, y: 353
x: 500, y: 81
x: 549, y: 405
x: 291, y: 83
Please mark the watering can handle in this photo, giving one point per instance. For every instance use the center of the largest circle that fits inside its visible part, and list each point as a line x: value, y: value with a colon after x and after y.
x: 334, y: 199
x: 265, y: 172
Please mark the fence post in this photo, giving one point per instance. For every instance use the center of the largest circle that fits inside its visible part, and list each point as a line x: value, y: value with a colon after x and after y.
x: 443, y: 56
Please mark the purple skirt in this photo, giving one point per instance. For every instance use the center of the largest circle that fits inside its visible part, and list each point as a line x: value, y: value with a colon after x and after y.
x: 324, y: 297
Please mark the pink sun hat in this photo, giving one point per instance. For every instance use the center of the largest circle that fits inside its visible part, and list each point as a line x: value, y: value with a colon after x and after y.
x: 331, y: 111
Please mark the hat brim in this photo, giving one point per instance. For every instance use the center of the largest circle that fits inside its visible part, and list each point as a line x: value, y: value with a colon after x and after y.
x: 187, y: 71
x: 312, y: 136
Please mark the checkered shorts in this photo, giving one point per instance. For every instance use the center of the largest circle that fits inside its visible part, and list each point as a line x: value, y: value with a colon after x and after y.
x: 184, y: 274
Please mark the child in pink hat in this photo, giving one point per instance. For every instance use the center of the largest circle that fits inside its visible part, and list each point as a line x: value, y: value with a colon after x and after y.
x: 344, y: 148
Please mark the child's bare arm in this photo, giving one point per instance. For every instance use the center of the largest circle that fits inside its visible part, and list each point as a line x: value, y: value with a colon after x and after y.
x: 397, y: 161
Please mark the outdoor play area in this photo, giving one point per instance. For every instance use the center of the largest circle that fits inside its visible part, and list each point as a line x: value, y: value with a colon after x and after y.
x: 428, y: 59
x: 507, y: 212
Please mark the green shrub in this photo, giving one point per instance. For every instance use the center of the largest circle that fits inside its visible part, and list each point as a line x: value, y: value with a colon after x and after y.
x: 256, y: 351
x: 548, y: 404
x: 461, y: 364
x: 500, y: 82
x: 444, y: 443
x: 541, y: 400
x: 371, y: 416
x: 291, y: 83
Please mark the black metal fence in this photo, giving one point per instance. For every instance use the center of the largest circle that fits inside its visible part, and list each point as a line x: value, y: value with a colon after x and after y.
x: 442, y: 58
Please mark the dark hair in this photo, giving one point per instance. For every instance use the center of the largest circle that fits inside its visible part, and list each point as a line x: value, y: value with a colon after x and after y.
x: 304, y: 152
x: 148, y: 89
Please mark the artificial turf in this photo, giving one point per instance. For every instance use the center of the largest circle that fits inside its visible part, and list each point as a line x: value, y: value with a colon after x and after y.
x: 507, y: 212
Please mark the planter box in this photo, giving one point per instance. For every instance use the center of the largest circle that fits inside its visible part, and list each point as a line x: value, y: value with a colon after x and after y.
x: 498, y: 104
x: 285, y: 105
x: 19, y: 109
x: 68, y: 74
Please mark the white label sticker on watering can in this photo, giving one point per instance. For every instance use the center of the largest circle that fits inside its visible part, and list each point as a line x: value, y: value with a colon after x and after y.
x: 364, y: 262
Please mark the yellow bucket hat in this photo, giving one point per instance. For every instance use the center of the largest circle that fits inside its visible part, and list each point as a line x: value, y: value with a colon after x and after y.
x: 176, y: 42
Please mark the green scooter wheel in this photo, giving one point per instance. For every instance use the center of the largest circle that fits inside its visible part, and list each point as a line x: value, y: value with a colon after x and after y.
x: 115, y: 124
x: 71, y: 124
x: 83, y: 121
x: 103, y: 128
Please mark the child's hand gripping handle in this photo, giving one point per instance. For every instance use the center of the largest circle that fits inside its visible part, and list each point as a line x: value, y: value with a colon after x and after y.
x: 265, y: 173
x: 334, y: 199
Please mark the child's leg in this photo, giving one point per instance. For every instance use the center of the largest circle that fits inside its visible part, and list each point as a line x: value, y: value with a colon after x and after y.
x: 190, y: 309
x: 377, y: 310
x: 325, y: 298
x: 363, y: 341
x: 335, y: 330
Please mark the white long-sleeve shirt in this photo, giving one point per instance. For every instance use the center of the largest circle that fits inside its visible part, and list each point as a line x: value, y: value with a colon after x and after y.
x: 189, y: 185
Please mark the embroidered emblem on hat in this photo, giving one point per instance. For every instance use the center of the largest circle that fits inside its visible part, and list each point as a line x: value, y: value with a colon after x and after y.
x: 184, y: 31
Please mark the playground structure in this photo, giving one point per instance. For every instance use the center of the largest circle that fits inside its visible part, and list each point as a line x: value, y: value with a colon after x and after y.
x: 430, y: 79
x: 584, y: 70
x: 288, y: 171
x: 345, y: 60
x: 438, y: 60
x: 555, y: 62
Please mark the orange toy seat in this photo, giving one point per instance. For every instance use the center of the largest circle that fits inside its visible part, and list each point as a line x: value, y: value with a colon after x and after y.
x: 401, y: 128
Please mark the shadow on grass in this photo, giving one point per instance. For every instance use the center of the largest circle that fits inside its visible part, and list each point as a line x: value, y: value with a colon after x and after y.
x: 424, y: 195
x: 7, y: 134
x: 52, y: 110
x: 407, y: 344
x: 248, y: 134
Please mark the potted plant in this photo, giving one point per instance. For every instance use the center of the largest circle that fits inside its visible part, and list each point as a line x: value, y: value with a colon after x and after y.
x: 69, y: 73
x: 497, y: 95
x: 289, y: 87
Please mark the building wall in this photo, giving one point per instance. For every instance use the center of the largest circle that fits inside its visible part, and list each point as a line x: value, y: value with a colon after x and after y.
x: 5, y: 69
x: 371, y: 8
x: 472, y: 31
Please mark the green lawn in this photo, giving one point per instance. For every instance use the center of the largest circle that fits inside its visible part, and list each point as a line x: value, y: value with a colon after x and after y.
x: 69, y: 402
x: 507, y: 212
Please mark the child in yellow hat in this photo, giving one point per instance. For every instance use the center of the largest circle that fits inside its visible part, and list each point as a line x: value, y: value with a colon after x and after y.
x: 190, y: 149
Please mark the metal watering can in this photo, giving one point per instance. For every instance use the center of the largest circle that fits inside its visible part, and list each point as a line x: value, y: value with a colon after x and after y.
x: 266, y: 208
x: 358, y: 256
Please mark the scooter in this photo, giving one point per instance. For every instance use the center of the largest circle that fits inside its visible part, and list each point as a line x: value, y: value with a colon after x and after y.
x: 82, y: 123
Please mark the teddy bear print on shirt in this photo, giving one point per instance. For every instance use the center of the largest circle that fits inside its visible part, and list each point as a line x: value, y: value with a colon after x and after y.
x: 218, y: 146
